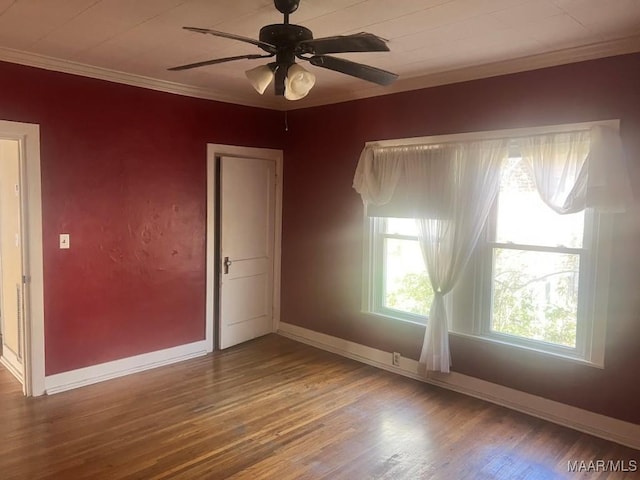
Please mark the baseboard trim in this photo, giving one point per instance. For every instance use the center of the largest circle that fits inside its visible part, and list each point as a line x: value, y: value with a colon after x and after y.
x: 81, y: 377
x: 608, y: 428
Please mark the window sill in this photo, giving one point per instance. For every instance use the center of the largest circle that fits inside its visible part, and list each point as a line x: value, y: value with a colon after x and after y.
x: 560, y: 356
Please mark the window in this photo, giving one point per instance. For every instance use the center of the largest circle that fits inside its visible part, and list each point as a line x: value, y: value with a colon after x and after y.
x: 400, y: 285
x: 537, y: 280
x: 536, y: 267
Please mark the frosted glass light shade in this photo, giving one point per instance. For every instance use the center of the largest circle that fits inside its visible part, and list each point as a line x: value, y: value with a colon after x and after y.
x: 260, y: 77
x: 298, y: 82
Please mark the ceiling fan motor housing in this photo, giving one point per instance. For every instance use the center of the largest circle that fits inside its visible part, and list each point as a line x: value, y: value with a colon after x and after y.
x: 284, y: 36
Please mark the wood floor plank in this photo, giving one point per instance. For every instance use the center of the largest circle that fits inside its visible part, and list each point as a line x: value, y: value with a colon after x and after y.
x: 276, y: 409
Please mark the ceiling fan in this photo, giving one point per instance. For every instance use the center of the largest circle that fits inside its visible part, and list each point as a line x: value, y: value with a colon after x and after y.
x: 286, y: 42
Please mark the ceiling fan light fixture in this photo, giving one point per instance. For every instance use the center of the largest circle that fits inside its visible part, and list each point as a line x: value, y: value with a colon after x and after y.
x: 298, y: 83
x: 260, y: 77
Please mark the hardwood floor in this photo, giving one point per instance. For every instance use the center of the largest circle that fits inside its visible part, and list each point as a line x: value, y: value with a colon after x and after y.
x: 276, y: 409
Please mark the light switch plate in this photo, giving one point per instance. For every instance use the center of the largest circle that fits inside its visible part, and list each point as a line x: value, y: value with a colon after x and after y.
x: 64, y: 240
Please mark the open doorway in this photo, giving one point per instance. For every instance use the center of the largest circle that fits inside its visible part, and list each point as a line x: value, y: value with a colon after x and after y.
x: 21, y: 257
x: 11, y: 261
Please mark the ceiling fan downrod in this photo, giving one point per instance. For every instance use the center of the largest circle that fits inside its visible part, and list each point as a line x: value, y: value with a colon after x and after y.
x: 286, y: 7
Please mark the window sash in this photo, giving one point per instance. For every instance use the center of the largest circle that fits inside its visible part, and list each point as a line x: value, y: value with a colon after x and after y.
x: 377, y: 273
x: 586, y: 278
x: 579, y: 310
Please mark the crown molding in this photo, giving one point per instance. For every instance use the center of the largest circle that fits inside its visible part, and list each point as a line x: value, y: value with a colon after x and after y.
x: 66, y: 66
x: 532, y: 62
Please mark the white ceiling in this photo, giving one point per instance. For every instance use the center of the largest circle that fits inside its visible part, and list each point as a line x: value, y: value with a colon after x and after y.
x: 431, y: 41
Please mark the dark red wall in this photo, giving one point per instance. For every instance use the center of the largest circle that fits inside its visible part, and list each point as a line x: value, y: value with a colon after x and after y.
x: 123, y: 172
x: 323, y: 224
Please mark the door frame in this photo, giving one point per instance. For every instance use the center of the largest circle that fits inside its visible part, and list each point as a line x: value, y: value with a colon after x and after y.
x: 215, y: 151
x: 28, y: 136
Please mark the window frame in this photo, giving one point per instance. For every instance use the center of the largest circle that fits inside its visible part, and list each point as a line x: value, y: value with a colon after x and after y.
x: 375, y: 273
x: 469, y: 303
x: 586, y: 280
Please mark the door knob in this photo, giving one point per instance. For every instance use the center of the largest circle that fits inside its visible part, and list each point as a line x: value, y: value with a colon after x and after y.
x: 226, y: 265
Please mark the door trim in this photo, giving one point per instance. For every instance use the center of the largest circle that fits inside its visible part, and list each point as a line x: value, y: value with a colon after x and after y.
x: 218, y: 150
x: 28, y: 135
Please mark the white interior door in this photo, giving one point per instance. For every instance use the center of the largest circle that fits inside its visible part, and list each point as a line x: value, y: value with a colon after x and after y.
x: 11, y: 257
x: 247, y: 219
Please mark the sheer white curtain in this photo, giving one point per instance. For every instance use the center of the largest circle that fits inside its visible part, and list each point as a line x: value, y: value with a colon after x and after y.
x: 395, y: 175
x: 576, y: 170
x: 466, y: 183
x: 377, y: 174
x: 454, y: 185
x: 451, y: 187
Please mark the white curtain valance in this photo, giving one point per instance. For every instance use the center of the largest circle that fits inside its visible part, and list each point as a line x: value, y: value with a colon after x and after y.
x: 377, y: 174
x: 408, y: 181
x: 572, y: 171
x: 578, y: 170
x: 377, y: 177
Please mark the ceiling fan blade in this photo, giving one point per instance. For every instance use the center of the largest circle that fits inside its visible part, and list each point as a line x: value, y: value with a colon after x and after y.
x: 359, y: 42
x: 267, y: 47
x: 365, y: 72
x: 218, y: 60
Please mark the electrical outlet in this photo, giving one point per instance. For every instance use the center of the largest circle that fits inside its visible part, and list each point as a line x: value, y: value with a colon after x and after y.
x: 395, y: 359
